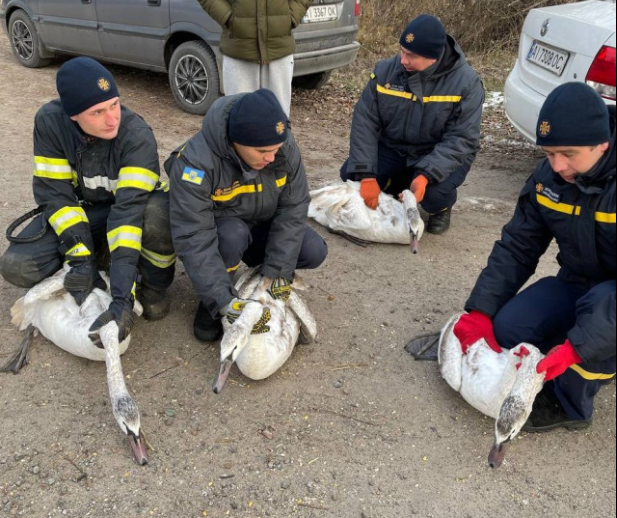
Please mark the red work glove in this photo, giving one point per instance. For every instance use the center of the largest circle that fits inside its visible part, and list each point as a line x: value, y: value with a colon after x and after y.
x: 558, y: 359
x: 418, y: 187
x: 473, y: 326
x: 370, y: 191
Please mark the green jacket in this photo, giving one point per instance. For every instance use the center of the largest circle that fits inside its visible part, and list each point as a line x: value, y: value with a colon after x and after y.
x: 257, y: 30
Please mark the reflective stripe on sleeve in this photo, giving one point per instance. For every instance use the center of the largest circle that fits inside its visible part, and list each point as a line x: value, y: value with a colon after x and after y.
x: 52, y: 168
x: 137, y: 178
x: 126, y: 236
x: 67, y: 217
x: 158, y: 260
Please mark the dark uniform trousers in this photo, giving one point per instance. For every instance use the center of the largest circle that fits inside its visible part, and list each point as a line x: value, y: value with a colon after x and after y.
x: 240, y: 241
x: 26, y: 264
x: 395, y: 176
x: 542, y: 315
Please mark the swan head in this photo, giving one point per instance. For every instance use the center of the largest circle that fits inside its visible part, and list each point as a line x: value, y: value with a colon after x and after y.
x: 517, y: 406
x: 127, y: 416
x: 414, y: 221
x: 235, y: 340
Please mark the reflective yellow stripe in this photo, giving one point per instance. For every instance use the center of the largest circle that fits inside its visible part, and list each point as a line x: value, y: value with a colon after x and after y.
x: 158, y: 260
x: 559, y: 207
x: 52, y: 168
x: 394, y: 93
x: 281, y: 181
x: 137, y: 178
x: 443, y: 99
x: 234, y: 268
x: 163, y: 186
x: 67, y: 217
x: 591, y: 376
x: 133, y: 291
x: 606, y: 217
x: 79, y: 250
x: 126, y: 236
x: 244, y: 189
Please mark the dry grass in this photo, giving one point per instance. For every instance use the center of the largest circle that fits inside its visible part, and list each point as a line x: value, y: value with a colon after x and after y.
x: 478, y: 25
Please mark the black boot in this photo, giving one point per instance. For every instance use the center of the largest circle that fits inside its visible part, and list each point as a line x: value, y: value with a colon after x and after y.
x: 439, y: 223
x: 156, y: 303
x: 206, y: 328
x: 547, y: 414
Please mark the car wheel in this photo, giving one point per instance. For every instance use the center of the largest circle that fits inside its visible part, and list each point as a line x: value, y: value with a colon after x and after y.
x: 25, y: 41
x: 194, y: 77
x: 312, y: 81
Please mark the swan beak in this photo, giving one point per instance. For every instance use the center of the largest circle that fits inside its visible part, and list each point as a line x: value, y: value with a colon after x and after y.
x: 496, y: 455
x: 138, y: 445
x: 221, y: 379
x: 413, y: 242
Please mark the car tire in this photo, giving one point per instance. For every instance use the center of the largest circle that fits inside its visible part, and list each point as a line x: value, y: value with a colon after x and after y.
x: 312, y: 81
x: 194, y: 77
x: 25, y: 41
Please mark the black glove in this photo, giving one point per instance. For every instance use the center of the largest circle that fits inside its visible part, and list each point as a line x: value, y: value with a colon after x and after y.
x: 234, y: 309
x: 120, y: 310
x: 82, y: 278
x: 280, y: 289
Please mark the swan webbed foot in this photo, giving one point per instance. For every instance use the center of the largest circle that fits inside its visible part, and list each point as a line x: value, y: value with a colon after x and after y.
x: 20, y: 359
x: 354, y: 240
x: 424, y: 347
x: 221, y: 378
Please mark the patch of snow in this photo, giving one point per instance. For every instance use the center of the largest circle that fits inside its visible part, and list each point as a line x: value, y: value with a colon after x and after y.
x: 493, y: 100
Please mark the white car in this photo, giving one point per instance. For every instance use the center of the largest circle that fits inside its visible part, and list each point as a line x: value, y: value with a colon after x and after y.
x: 559, y: 44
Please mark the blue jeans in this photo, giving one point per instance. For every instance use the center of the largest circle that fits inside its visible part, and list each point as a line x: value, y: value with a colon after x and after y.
x: 542, y: 315
x: 395, y: 176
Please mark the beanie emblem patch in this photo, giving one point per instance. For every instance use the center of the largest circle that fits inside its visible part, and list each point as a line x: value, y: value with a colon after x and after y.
x: 544, y: 128
x: 410, y: 37
x: 104, y: 84
x: 280, y: 128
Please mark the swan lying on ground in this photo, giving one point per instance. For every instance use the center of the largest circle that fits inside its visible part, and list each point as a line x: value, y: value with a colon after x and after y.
x: 500, y: 385
x: 50, y: 309
x: 342, y: 210
x: 258, y: 356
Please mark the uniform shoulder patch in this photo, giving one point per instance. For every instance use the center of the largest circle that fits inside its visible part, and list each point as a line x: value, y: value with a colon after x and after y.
x: 193, y: 175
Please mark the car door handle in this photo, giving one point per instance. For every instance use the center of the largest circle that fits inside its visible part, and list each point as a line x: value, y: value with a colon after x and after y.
x: 154, y: 2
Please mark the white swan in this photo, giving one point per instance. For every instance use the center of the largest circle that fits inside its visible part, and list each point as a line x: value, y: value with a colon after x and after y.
x: 50, y: 309
x: 258, y: 356
x: 342, y: 210
x: 500, y: 385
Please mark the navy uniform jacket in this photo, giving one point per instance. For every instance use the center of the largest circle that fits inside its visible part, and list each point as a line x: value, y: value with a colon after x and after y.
x: 209, y: 181
x: 581, y: 218
x: 71, y: 168
x: 431, y: 117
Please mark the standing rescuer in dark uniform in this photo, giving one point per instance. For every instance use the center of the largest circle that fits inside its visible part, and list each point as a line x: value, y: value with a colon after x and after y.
x: 417, y: 123
x: 96, y: 179
x: 239, y: 193
x: 571, y: 317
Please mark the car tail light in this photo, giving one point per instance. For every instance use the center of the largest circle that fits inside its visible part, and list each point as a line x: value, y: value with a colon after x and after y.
x: 601, y: 75
x: 357, y: 8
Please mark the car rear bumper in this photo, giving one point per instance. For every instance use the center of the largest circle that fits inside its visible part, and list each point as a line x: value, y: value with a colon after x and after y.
x: 522, y: 104
x: 327, y: 59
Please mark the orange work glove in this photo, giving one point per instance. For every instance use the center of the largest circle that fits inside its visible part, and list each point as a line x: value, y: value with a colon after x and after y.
x: 370, y: 191
x: 418, y: 187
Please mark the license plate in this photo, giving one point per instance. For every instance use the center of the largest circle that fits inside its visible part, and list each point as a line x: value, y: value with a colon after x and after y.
x: 321, y: 13
x: 549, y: 58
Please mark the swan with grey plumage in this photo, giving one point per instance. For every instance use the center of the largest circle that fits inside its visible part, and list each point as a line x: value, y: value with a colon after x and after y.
x: 341, y: 209
x: 258, y: 356
x: 51, y: 310
x: 500, y: 385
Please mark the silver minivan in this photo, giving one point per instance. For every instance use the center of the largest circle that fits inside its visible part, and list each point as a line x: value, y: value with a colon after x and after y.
x: 172, y: 36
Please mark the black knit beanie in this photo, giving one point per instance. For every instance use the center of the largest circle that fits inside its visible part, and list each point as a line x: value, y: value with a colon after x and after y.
x: 573, y: 114
x: 82, y: 83
x: 257, y: 120
x: 424, y: 36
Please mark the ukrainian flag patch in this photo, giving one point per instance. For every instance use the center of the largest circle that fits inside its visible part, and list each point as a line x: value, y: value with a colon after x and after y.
x: 193, y: 175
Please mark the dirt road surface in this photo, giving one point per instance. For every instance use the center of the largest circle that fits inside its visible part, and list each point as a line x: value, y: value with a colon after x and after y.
x: 357, y: 428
